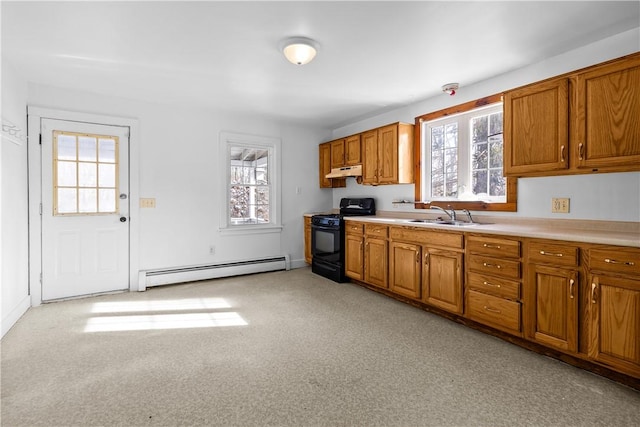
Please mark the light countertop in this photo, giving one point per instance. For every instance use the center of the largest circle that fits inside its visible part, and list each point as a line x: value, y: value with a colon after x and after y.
x: 601, y: 232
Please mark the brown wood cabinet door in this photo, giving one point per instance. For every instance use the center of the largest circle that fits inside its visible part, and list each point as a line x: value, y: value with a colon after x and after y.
x: 324, y: 167
x: 606, y: 128
x: 405, y: 265
x: 375, y: 262
x: 536, y: 128
x: 388, y: 154
x: 615, y: 322
x: 307, y: 239
x: 353, y: 258
x: 337, y: 153
x: 442, y: 279
x: 352, y: 150
x: 370, y: 157
x: 553, y: 307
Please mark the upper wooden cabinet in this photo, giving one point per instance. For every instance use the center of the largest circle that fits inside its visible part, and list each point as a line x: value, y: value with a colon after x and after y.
x: 337, y: 153
x: 536, y: 128
x: 352, y: 150
x: 606, y: 120
x: 324, y: 167
x: 387, y: 155
x: 581, y: 122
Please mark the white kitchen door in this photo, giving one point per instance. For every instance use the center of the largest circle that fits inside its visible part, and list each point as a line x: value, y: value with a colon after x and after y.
x: 85, y: 208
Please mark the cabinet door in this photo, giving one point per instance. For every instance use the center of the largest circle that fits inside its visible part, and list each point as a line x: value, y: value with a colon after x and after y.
x: 352, y: 150
x: 405, y: 269
x: 370, y: 157
x: 388, y: 155
x: 536, y: 128
x: 353, y: 258
x: 375, y: 262
x: 307, y: 239
x: 442, y: 279
x: 615, y: 322
x: 324, y: 167
x: 553, y: 307
x: 606, y: 130
x: 337, y: 153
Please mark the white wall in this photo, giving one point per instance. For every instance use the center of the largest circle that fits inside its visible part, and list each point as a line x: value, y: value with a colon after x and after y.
x: 598, y: 197
x: 179, y: 168
x: 14, y: 263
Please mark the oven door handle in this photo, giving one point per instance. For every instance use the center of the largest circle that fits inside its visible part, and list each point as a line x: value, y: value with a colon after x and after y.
x: 321, y: 227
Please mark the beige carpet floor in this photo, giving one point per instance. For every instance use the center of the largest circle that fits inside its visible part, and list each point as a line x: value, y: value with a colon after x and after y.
x: 283, y: 349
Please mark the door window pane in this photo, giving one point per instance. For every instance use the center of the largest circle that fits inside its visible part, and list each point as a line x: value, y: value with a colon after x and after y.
x: 85, y: 183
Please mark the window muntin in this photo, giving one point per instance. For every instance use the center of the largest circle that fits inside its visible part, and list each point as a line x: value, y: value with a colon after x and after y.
x: 462, y: 155
x: 85, y: 174
x: 249, y: 185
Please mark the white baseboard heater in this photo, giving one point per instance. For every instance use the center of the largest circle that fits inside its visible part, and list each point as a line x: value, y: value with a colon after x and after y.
x: 149, y: 278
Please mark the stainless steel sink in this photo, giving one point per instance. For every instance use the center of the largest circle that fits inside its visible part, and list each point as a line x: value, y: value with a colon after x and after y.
x: 443, y: 222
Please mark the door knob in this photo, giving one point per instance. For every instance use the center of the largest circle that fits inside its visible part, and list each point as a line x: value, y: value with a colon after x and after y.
x: 123, y: 219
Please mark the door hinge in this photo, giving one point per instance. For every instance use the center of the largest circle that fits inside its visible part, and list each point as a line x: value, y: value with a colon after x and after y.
x: 40, y: 278
x: 40, y: 208
x: 40, y: 139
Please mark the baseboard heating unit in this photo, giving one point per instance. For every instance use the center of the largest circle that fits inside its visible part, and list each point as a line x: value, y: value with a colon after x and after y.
x: 149, y: 278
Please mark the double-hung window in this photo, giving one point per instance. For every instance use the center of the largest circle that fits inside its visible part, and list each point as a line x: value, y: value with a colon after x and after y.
x: 461, y: 159
x: 251, y: 182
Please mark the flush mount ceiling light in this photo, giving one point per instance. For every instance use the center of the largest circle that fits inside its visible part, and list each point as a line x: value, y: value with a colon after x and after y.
x: 299, y: 50
x: 450, y: 88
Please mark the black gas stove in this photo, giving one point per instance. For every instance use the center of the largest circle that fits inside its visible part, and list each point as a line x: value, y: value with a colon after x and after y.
x: 327, y: 237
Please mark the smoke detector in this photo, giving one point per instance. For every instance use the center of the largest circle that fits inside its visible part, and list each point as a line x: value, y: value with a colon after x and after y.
x: 450, y: 88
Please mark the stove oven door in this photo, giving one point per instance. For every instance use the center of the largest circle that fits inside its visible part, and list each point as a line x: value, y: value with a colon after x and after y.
x: 326, y: 249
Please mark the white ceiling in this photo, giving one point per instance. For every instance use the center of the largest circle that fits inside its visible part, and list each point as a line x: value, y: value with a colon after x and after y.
x: 373, y: 56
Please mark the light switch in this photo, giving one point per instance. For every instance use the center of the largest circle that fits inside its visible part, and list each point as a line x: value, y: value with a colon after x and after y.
x: 148, y: 202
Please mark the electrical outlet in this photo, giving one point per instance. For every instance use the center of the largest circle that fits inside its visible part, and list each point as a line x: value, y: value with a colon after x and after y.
x: 147, y: 202
x: 559, y: 205
x: 212, y: 250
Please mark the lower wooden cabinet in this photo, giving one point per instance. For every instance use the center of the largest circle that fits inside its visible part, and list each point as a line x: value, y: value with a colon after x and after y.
x: 307, y: 239
x: 497, y: 312
x: 354, y: 251
x: 375, y: 262
x: 405, y: 269
x: 614, y: 304
x: 553, y: 307
x: 442, y: 279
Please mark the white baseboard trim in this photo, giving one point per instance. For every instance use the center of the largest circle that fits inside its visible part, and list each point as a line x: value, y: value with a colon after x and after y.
x: 14, y: 315
x: 298, y: 263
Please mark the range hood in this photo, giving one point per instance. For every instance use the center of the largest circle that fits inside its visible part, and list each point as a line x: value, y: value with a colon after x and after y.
x: 345, y: 172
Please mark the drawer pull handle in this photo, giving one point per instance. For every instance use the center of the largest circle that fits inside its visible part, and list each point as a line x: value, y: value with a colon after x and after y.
x: 551, y: 254
x: 491, y: 309
x: 613, y: 261
x: 562, y: 153
x: 593, y: 293
x: 581, y: 151
x: 486, y: 245
x: 571, y: 282
x: 490, y: 284
x: 426, y: 259
x: 492, y: 265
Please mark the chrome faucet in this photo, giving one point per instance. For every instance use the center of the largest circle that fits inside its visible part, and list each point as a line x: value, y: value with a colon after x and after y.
x: 451, y: 214
x: 466, y: 211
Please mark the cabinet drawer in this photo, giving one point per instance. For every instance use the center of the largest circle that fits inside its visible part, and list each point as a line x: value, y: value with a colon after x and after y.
x: 616, y: 260
x: 432, y: 238
x: 353, y: 227
x: 493, y: 246
x: 494, y: 285
x: 494, y: 311
x: 376, y: 230
x: 494, y: 266
x: 550, y: 253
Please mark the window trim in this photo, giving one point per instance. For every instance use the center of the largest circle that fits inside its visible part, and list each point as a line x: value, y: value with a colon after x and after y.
x: 229, y: 139
x: 512, y: 183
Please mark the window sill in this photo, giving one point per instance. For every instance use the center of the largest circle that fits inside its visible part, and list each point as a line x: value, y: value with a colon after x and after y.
x: 250, y: 229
